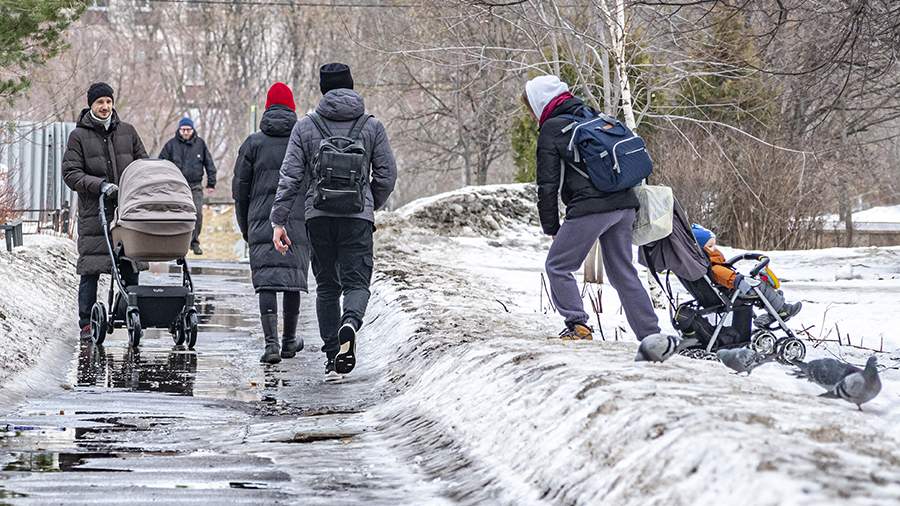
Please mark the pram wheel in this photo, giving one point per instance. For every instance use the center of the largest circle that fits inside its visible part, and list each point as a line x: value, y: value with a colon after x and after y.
x: 135, y: 332
x: 99, y: 322
x: 763, y: 342
x: 185, y: 329
x: 791, y: 350
x: 191, y: 322
x: 177, y: 331
x: 698, y: 354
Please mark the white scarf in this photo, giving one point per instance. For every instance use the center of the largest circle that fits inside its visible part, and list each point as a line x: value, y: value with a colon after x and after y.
x: 105, y: 122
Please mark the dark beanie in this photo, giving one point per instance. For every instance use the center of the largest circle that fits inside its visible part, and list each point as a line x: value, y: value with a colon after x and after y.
x: 333, y: 76
x: 98, y: 90
x: 185, y: 121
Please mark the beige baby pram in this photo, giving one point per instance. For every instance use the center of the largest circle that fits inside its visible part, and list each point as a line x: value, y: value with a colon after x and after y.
x: 153, y: 222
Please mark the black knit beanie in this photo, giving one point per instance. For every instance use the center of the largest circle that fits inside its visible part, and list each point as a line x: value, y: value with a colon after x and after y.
x: 333, y: 76
x: 98, y: 90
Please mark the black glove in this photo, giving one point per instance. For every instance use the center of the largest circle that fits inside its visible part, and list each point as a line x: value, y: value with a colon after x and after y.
x: 110, y: 190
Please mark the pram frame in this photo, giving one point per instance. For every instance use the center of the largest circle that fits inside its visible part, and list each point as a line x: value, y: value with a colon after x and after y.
x: 184, y: 326
x: 728, y: 304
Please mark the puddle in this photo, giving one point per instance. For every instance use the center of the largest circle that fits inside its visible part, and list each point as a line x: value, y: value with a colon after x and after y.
x: 150, y: 370
x: 9, y: 494
x: 48, y: 462
x: 242, y: 274
x: 315, y: 437
x: 248, y: 485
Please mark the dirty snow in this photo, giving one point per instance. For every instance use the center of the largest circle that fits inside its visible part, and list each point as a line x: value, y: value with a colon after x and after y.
x: 501, y: 412
x: 38, y: 320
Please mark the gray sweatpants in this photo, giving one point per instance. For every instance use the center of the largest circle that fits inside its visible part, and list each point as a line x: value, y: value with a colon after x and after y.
x: 573, y: 243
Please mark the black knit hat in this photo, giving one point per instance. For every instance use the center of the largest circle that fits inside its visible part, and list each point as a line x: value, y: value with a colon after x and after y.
x: 333, y: 76
x: 98, y: 90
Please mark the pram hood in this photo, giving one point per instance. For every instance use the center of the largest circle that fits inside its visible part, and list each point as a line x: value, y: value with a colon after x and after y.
x: 678, y: 252
x: 154, y: 198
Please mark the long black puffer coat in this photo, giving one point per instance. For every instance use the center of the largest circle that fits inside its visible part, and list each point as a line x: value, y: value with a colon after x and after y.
x: 256, y: 174
x: 93, y: 156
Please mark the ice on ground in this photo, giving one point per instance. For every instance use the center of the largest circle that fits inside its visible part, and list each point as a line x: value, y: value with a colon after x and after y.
x: 38, y: 289
x: 529, y: 419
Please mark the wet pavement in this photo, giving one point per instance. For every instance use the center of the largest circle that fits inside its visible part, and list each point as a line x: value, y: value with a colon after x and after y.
x: 169, y: 425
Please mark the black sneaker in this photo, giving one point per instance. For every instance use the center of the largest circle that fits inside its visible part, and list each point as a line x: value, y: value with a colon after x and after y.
x: 345, y: 360
x: 331, y: 376
x: 196, y: 249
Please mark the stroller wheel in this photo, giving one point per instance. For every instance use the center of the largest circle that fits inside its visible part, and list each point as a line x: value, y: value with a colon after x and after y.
x: 191, y: 322
x: 791, y: 350
x: 135, y: 332
x: 763, y: 342
x: 178, y: 333
x: 99, y: 322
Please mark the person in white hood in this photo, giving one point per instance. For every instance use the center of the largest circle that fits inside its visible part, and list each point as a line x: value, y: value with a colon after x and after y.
x: 590, y: 214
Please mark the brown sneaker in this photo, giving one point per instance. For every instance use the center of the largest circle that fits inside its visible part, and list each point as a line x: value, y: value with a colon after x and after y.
x: 577, y: 332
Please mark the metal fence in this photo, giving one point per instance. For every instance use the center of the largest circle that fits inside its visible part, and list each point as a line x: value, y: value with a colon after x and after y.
x: 32, y: 154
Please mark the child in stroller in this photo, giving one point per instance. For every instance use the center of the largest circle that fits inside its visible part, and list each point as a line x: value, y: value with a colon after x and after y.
x: 718, y: 315
x: 725, y: 275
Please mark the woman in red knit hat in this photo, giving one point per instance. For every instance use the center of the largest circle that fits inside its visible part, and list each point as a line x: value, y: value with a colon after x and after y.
x: 256, y: 172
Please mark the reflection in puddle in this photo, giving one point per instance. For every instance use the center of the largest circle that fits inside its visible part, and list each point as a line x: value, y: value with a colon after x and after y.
x: 173, y: 372
x: 46, y: 462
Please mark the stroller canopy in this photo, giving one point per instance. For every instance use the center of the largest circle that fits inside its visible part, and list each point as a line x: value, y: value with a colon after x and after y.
x: 154, y: 198
x: 678, y: 252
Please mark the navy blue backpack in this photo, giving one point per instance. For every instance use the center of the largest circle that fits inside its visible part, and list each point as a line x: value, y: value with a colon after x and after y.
x: 615, y: 158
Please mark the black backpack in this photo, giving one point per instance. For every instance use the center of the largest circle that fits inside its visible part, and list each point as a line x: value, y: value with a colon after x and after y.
x: 341, y: 169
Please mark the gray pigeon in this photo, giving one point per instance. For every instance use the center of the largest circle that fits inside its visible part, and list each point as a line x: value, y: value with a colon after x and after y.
x: 825, y: 372
x: 858, y: 387
x: 743, y: 359
x: 660, y: 347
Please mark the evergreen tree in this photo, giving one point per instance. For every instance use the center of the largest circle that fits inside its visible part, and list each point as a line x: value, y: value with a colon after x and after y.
x: 31, y: 32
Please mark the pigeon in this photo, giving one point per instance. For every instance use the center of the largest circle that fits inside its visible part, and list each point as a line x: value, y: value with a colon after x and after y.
x: 743, y: 359
x: 858, y: 387
x: 825, y: 372
x: 660, y: 347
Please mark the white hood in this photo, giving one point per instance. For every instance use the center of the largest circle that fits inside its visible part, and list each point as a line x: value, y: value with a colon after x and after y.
x: 541, y: 90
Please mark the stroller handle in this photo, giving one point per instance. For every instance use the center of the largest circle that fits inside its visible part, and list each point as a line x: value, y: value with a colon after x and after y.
x: 760, y: 266
x: 759, y: 257
x: 745, y: 256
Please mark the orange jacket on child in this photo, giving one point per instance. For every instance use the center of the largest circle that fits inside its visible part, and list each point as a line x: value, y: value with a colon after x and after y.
x: 721, y: 273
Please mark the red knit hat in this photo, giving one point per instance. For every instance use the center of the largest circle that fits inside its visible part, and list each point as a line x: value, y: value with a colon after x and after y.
x: 280, y: 94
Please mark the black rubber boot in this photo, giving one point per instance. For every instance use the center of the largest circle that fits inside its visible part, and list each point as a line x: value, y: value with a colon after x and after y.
x: 290, y: 343
x: 272, y: 355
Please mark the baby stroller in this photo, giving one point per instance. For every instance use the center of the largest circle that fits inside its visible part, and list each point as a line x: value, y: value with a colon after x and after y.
x: 731, y: 312
x: 153, y: 223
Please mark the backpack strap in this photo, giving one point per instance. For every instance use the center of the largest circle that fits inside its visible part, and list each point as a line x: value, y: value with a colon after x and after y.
x: 357, y: 127
x: 320, y: 125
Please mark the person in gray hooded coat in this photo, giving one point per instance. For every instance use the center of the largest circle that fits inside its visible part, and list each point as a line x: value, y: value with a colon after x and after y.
x: 341, y: 243
x: 255, y: 181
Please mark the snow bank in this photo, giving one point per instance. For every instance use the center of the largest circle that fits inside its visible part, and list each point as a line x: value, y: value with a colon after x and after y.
x: 38, y: 293
x: 499, y: 411
x: 471, y: 211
